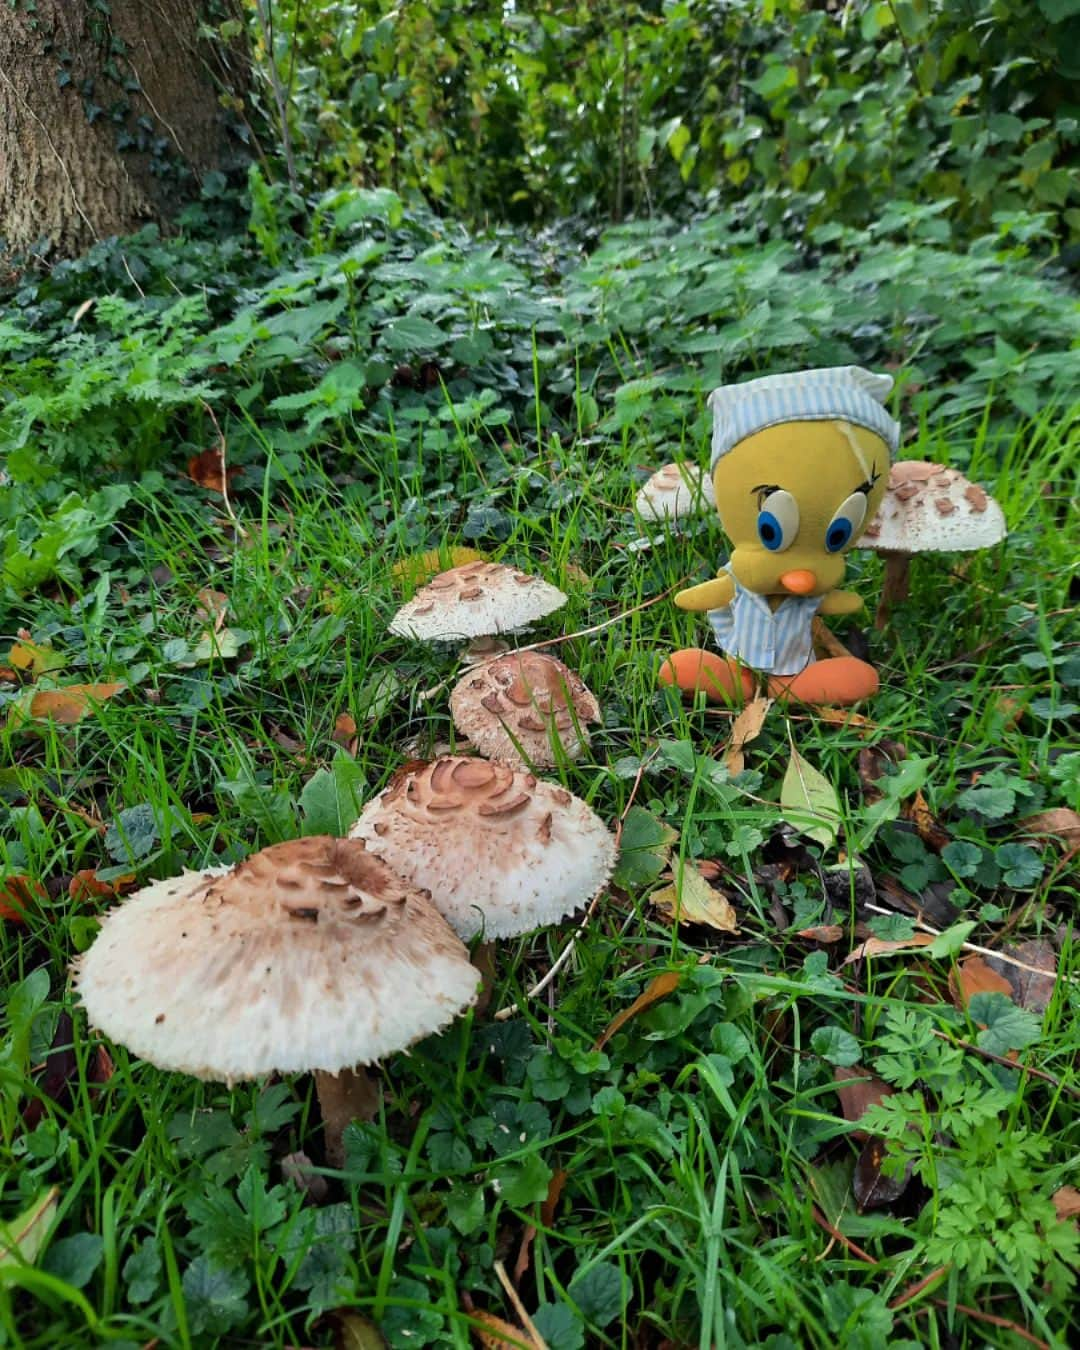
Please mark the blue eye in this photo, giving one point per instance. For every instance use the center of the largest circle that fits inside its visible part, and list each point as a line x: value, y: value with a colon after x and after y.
x: 778, y: 521
x: 848, y: 518
x: 840, y: 531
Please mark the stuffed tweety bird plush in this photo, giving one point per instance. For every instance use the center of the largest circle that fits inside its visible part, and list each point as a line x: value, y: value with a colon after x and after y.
x: 799, y: 463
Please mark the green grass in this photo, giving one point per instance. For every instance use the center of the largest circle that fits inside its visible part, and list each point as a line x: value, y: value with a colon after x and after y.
x: 697, y: 1146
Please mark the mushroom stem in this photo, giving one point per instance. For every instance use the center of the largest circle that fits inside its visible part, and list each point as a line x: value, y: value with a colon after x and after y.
x: 895, y: 587
x: 483, y: 958
x: 349, y: 1095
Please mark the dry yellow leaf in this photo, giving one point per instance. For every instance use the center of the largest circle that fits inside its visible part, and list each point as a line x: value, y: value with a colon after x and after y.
x: 692, y: 900
x: 72, y: 703
x: 654, y: 991
x: 746, y: 727
x: 34, y: 656
x: 421, y: 567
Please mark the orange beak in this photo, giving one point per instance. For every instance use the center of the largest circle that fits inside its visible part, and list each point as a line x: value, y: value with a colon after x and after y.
x: 798, y: 583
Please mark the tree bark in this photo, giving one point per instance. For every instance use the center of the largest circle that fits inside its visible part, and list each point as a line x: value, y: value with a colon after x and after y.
x: 110, y: 114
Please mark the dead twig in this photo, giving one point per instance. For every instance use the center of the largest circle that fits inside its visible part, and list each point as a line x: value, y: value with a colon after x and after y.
x: 1013, y: 1064
x: 243, y: 534
x: 837, y: 1236
x: 526, y: 1321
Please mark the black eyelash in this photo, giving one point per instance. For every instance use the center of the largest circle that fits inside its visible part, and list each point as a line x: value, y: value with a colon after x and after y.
x: 868, y: 486
x: 763, y: 489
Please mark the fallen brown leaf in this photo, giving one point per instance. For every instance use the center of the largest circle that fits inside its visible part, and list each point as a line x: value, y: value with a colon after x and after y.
x: 973, y: 976
x: 1010, y: 710
x: 356, y: 1333
x: 73, y: 702
x: 1067, y: 1202
x: 658, y: 988
x: 858, y: 1090
x: 872, y: 1187
x: 746, y: 728
x: 299, y: 1170
x: 1062, y: 823
x: 18, y: 895
x: 930, y: 832
x: 1031, y: 989
x: 547, y: 1218
x: 86, y: 885
x: 8, y: 675
x: 882, y: 946
x: 344, y: 733
x: 843, y: 717
x: 695, y: 901
x: 825, y: 932
x: 873, y: 763
x: 212, y: 607
x: 209, y: 471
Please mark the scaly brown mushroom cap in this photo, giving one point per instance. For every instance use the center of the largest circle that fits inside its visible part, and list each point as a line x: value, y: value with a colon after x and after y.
x: 526, y: 698
x: 475, y: 600
x: 500, y: 851
x: 311, y: 955
x: 931, y: 509
x: 674, y: 492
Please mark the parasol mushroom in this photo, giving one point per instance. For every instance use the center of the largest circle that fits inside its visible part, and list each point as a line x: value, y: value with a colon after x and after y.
x: 676, y: 490
x: 517, y: 707
x: 500, y: 851
x: 928, y: 509
x: 476, y: 600
x: 311, y: 956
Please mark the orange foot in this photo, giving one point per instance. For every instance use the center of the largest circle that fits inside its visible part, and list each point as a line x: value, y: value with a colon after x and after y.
x: 839, y: 679
x: 693, y: 670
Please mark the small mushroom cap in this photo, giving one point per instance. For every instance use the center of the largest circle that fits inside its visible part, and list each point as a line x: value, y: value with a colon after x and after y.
x: 524, y: 697
x: 676, y: 490
x: 475, y: 600
x: 929, y: 508
x: 310, y: 955
x: 501, y: 852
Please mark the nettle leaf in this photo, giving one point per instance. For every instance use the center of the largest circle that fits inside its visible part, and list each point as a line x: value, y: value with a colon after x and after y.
x: 132, y: 833
x: 215, y: 1298
x: 560, y: 1326
x: 645, y: 846
x: 835, y: 1045
x: 809, y: 801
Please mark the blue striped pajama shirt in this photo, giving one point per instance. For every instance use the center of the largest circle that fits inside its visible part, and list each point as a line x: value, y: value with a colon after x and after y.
x: 776, y: 642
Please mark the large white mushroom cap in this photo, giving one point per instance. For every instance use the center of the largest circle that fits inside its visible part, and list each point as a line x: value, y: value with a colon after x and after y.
x: 524, y: 699
x: 475, y: 600
x: 674, y: 492
x: 501, y: 852
x: 311, y: 955
x: 931, y: 509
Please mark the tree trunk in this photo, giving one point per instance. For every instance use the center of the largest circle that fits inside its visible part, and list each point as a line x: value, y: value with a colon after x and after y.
x: 111, y: 111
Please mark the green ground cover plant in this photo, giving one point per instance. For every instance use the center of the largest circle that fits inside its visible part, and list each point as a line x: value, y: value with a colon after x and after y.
x: 369, y: 382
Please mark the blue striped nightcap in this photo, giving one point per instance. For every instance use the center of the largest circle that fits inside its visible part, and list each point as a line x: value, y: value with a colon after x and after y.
x: 846, y: 393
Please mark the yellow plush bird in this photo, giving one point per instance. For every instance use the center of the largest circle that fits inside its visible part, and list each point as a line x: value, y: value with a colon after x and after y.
x: 799, y: 463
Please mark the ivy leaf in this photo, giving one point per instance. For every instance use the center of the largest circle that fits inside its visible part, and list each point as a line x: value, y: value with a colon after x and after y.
x: 836, y: 1045
x: 962, y: 858
x: 331, y: 798
x: 645, y: 845
x: 142, y: 1271
x: 1020, y: 865
x: 1006, y: 1027
x: 600, y: 1293
x: 75, y: 1259
x: 809, y: 801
